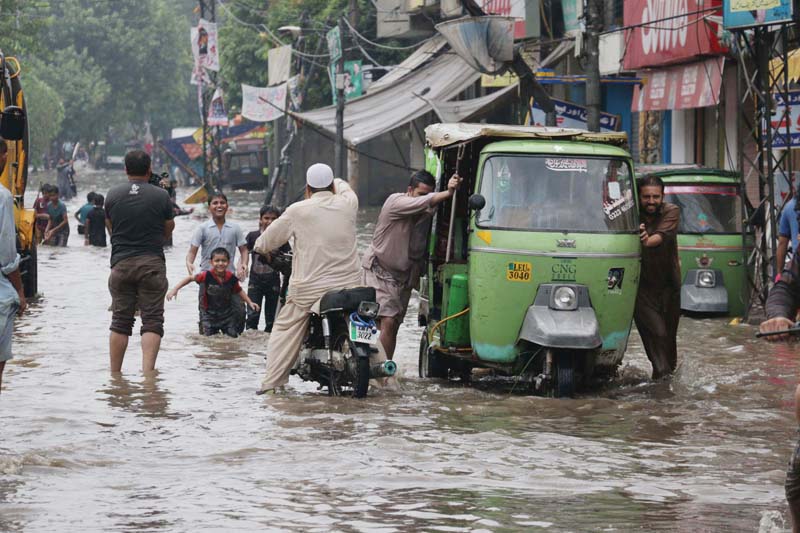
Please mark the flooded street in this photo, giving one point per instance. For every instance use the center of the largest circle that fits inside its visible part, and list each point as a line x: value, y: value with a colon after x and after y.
x: 193, y: 448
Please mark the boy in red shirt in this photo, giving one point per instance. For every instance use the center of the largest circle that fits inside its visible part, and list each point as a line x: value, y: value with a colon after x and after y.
x: 218, y: 285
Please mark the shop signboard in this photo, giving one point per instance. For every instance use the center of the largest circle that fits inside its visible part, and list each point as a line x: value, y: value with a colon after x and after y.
x: 569, y: 115
x: 749, y: 13
x: 780, y: 119
x: 680, y: 87
x: 669, y: 31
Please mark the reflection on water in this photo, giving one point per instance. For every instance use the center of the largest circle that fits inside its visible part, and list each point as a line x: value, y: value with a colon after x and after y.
x: 192, y: 447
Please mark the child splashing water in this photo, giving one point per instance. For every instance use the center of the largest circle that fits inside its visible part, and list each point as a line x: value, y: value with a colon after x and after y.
x: 218, y: 285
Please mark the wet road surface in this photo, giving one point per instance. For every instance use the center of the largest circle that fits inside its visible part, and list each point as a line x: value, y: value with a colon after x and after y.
x: 192, y: 448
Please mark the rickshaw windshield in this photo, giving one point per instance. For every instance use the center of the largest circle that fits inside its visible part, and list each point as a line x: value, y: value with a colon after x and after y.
x: 706, y: 208
x: 555, y: 193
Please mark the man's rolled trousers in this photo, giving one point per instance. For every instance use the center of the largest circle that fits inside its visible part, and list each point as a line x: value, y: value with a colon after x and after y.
x: 658, y: 302
x: 325, y: 258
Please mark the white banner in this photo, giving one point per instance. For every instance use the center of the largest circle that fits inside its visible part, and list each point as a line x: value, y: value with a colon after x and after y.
x: 263, y: 104
x: 279, y: 64
x: 204, y: 45
x: 217, y: 116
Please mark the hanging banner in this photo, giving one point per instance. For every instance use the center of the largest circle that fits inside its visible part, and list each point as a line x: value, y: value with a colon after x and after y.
x: 263, y: 104
x: 200, y: 76
x: 572, y: 11
x: 334, y: 44
x: 781, y: 117
x: 569, y: 115
x: 217, y: 116
x: 279, y: 64
x: 204, y: 45
x: 665, y: 32
x: 749, y: 13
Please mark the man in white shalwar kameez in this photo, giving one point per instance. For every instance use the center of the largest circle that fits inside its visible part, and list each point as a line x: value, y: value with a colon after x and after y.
x: 12, y: 295
x: 325, y: 258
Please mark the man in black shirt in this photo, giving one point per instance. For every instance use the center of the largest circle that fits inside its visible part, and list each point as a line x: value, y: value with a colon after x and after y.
x: 139, y: 217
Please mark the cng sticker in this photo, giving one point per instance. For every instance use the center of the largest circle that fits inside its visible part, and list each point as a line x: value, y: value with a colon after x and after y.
x: 519, y: 272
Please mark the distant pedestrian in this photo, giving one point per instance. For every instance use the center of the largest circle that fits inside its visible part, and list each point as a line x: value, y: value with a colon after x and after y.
x: 218, y: 286
x: 40, y: 210
x: 80, y: 214
x: 63, y: 170
x: 140, y: 217
x: 658, y: 301
x: 95, y: 234
x: 215, y: 233
x: 264, y: 285
x: 12, y: 294
x: 57, y: 231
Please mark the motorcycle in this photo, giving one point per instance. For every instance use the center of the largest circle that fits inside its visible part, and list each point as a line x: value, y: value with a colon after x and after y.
x: 342, y: 335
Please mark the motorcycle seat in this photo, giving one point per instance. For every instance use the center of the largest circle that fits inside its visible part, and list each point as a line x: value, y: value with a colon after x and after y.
x: 346, y: 299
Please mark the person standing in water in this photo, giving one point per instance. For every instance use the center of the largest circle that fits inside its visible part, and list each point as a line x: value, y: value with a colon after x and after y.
x: 658, y: 302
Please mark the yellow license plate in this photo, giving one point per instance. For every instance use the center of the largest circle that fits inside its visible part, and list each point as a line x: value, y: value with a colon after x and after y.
x: 519, y: 272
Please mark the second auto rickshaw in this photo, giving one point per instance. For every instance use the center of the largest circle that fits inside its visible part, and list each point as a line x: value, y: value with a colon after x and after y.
x: 534, y: 265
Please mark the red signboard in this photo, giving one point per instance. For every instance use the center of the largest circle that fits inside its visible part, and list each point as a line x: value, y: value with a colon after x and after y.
x: 669, y: 31
x: 681, y: 87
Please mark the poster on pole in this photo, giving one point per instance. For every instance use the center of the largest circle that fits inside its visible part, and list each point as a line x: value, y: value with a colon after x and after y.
x: 263, y: 104
x: 204, y: 45
x: 217, y: 116
x: 353, y: 77
x: 750, y: 13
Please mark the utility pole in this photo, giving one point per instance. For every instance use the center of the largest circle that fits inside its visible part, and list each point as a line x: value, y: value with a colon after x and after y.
x: 203, y: 110
x: 593, y: 65
x: 339, y: 150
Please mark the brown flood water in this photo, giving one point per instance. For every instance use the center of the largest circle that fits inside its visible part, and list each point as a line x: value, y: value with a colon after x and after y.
x: 194, y: 449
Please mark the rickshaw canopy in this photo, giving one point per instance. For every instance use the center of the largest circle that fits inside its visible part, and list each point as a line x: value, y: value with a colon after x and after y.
x: 441, y: 135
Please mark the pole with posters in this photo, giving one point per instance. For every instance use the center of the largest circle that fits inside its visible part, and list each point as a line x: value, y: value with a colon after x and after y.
x: 339, y: 156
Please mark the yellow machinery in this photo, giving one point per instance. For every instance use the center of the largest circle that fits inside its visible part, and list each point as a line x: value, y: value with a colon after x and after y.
x: 14, y: 177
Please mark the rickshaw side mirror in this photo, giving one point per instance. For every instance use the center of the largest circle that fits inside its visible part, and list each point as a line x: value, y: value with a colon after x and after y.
x: 477, y: 202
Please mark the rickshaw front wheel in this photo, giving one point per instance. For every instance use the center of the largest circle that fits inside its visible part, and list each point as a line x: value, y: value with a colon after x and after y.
x: 431, y: 364
x: 563, y: 378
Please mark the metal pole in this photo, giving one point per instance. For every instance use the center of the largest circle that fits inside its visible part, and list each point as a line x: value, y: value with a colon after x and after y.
x: 339, y: 159
x: 203, y: 109
x: 592, y: 67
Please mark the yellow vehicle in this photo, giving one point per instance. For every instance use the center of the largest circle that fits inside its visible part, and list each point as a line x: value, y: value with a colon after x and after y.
x: 14, y: 129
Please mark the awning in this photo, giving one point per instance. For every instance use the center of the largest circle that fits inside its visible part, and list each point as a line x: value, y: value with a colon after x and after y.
x: 415, y: 60
x: 792, y: 65
x: 680, y: 87
x: 378, y: 112
x: 463, y: 109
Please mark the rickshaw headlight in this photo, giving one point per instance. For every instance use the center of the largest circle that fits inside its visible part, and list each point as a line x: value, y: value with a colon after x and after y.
x: 565, y: 299
x: 706, y: 279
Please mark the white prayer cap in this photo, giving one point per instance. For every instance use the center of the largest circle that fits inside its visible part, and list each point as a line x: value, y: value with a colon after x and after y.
x: 319, y: 176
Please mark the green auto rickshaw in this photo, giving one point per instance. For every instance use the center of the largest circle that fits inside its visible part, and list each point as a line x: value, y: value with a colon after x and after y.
x: 533, y: 268
x: 711, y: 244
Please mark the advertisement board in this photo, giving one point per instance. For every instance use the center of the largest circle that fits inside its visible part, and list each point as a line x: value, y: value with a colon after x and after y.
x: 669, y: 31
x: 749, y: 13
x: 569, y: 115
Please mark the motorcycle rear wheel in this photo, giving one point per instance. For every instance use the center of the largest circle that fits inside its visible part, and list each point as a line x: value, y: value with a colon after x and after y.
x: 361, y: 379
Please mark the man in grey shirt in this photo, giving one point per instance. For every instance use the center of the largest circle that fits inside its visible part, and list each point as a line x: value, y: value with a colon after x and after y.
x: 219, y: 233
x: 395, y: 259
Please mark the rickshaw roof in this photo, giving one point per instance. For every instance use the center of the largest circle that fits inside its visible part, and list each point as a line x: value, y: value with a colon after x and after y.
x: 441, y: 135
x: 670, y: 173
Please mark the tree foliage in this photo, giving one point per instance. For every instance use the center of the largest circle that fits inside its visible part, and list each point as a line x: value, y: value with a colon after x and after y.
x: 45, y: 116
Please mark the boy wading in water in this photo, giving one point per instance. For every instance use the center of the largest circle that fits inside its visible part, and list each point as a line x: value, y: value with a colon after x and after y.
x: 265, y: 281
x: 217, y: 288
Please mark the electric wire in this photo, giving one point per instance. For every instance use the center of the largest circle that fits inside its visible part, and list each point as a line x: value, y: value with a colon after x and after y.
x: 385, y: 46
